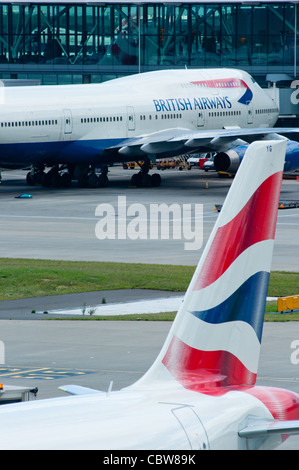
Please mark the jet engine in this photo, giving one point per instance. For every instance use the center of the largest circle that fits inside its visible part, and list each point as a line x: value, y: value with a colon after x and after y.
x: 229, y: 161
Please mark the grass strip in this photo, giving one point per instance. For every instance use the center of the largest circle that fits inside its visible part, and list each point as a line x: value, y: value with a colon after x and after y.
x: 167, y: 316
x: 23, y: 278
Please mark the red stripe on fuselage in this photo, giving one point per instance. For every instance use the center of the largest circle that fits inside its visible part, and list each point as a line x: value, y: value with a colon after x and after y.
x: 221, y: 83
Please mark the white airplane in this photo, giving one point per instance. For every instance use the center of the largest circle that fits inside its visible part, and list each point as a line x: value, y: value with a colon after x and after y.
x: 200, y: 393
x: 78, y: 130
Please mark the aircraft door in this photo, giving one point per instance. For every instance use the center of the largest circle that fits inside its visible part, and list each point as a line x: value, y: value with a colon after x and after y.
x: 249, y: 114
x: 192, y: 426
x: 131, y: 118
x: 200, y: 119
x: 68, y: 121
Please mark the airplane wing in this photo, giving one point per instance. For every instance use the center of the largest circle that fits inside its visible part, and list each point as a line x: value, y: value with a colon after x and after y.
x: 79, y: 390
x: 169, y: 140
x: 179, y: 140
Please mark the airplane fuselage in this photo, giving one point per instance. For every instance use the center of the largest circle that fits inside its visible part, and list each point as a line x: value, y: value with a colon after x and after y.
x: 134, y: 419
x: 76, y: 124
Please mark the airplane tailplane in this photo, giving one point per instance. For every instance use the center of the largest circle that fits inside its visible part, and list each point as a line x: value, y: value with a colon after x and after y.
x: 216, y: 336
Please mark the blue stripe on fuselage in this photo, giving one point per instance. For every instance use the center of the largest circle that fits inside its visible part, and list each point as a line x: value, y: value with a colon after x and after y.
x: 74, y: 152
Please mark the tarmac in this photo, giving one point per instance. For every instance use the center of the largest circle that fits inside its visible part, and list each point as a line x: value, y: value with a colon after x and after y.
x: 61, y: 224
x: 108, y: 302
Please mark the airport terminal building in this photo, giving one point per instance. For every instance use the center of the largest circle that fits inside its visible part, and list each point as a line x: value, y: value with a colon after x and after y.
x: 64, y: 42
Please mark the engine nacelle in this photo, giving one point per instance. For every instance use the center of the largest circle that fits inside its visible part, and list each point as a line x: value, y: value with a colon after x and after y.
x: 230, y: 160
x: 292, y: 156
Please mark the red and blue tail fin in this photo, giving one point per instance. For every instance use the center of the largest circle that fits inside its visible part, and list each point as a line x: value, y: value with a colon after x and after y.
x: 216, y: 336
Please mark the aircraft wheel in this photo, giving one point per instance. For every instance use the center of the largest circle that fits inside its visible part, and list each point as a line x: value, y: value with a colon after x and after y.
x: 146, y: 180
x: 103, y: 181
x: 55, y: 180
x: 93, y: 181
x: 136, y: 179
x: 65, y: 180
x: 82, y: 181
x: 46, y: 180
x: 30, y: 179
x: 156, y: 180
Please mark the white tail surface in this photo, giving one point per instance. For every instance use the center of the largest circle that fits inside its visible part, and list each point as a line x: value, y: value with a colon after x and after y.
x: 216, y: 336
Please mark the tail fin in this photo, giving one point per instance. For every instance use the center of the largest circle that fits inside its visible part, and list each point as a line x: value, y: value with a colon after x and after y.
x: 216, y: 336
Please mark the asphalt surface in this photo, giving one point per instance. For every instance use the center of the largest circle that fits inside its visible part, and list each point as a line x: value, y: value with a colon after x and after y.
x: 50, y: 354
x: 39, y: 308
x: 62, y: 223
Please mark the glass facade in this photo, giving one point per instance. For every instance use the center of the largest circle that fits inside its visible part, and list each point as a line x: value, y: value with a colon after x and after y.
x: 73, y: 43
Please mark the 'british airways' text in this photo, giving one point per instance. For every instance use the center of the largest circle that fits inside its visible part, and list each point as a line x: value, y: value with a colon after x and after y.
x: 185, y: 104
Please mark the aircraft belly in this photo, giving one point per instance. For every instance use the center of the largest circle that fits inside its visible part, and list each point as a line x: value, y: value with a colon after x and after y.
x: 27, y: 153
x: 73, y: 152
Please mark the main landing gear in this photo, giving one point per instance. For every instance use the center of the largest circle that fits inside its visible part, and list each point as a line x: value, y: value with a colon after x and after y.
x: 63, y: 175
x: 90, y: 177
x: 87, y: 176
x: 143, y: 179
x: 55, y: 177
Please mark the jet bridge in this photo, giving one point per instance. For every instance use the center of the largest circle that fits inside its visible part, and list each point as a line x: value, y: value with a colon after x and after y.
x: 284, y: 90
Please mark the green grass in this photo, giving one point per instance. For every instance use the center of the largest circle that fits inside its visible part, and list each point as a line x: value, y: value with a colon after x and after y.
x: 271, y: 313
x: 283, y: 283
x: 163, y: 316
x: 21, y: 278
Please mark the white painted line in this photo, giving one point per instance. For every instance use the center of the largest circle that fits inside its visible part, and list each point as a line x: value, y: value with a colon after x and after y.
x: 169, y: 304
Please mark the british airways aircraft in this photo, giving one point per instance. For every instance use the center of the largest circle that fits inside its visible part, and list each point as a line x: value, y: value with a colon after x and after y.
x: 200, y: 393
x: 76, y: 131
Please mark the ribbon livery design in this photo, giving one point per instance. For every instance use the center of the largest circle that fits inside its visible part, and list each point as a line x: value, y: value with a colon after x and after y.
x: 216, y: 343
